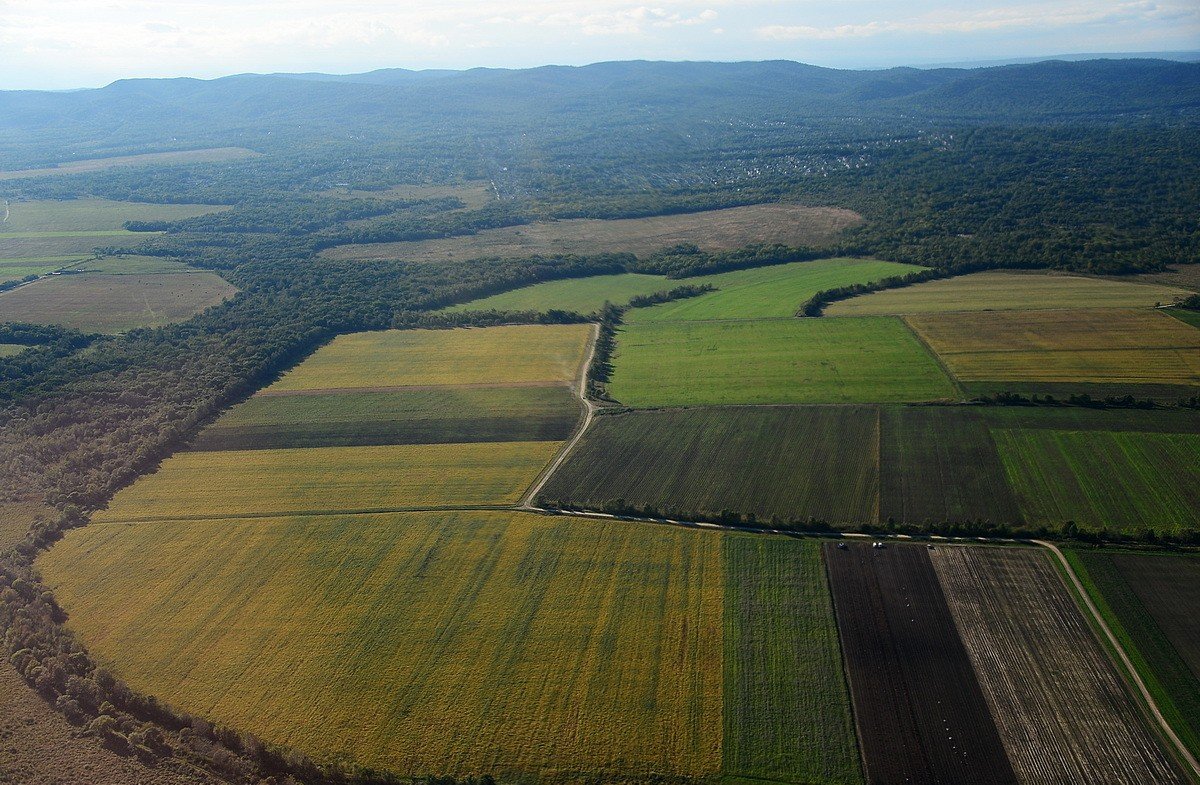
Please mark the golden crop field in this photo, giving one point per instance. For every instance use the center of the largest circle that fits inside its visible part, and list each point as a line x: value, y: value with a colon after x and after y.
x: 711, y: 230
x: 332, y: 479
x: 1004, y: 291
x: 522, y: 354
x: 1084, y: 345
x: 454, y: 643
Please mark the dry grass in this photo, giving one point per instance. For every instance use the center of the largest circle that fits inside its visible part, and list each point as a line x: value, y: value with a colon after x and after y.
x: 1101, y: 345
x: 456, y: 643
x: 209, y: 155
x: 114, y: 303
x: 332, y: 479
x: 713, y: 230
x: 521, y: 354
x: 1006, y: 291
x: 15, y: 518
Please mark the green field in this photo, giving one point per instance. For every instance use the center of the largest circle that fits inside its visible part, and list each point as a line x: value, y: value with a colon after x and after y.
x: 790, y: 463
x: 773, y: 361
x: 583, y: 295
x: 1100, y: 345
x: 763, y: 292
x: 524, y: 646
x: 777, y: 290
x: 1123, y: 481
x: 524, y: 354
x: 9, y: 349
x: 446, y: 414
x: 1187, y: 317
x: 1005, y: 291
x: 1149, y: 601
x: 114, y: 303
x: 234, y: 483
x: 132, y: 265
x: 787, y: 715
x: 940, y: 464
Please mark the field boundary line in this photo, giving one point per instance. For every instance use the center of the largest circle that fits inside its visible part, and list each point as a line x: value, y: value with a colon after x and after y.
x: 1181, y: 750
x: 937, y: 358
x: 589, y: 413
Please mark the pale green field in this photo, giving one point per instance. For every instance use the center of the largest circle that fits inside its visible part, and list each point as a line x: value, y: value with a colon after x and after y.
x: 775, y: 291
x: 332, y: 479
x: 9, y: 349
x: 451, y: 643
x: 91, y: 216
x: 524, y: 354
x: 1006, y: 291
x: 133, y: 265
x: 826, y: 360
x: 583, y: 295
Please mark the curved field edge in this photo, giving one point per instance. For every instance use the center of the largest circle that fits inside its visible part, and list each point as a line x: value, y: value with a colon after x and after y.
x: 1164, y: 697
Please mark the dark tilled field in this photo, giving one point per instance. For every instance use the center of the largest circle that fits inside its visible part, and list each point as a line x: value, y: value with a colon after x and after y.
x: 1169, y: 588
x: 940, y: 464
x: 921, y: 716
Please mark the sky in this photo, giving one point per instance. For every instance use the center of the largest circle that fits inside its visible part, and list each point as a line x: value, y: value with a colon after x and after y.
x: 59, y: 44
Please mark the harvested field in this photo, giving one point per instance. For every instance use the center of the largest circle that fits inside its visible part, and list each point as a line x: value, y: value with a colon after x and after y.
x: 1063, y: 712
x: 234, y: 483
x: 787, y: 711
x: 39, y: 747
x: 208, y: 155
x: 1185, y: 276
x: 790, y: 463
x: 1076, y: 418
x: 940, y: 464
x: 422, y: 416
x: 70, y: 246
x: 521, y: 354
x: 1127, y: 482
x: 920, y: 713
x: 774, y: 291
x: 531, y: 647
x: 712, y: 230
x: 1008, y: 291
x: 1149, y: 601
x: 1113, y: 345
x: 112, y: 304
x: 859, y: 360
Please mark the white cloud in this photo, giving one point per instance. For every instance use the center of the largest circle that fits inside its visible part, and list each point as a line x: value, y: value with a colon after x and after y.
x: 1019, y: 17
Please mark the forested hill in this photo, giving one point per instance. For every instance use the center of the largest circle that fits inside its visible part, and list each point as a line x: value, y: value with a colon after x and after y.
x: 268, y: 112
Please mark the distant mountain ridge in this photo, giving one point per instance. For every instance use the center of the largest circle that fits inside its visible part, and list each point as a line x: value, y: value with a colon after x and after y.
x: 262, y: 111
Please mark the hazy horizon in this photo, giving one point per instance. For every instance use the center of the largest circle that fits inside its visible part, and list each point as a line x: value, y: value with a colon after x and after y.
x: 72, y: 44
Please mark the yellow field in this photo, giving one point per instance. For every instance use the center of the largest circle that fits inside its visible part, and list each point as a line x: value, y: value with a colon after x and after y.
x: 332, y: 479
x: 1100, y: 345
x: 523, y: 354
x: 711, y: 230
x: 1003, y: 291
x: 450, y: 643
